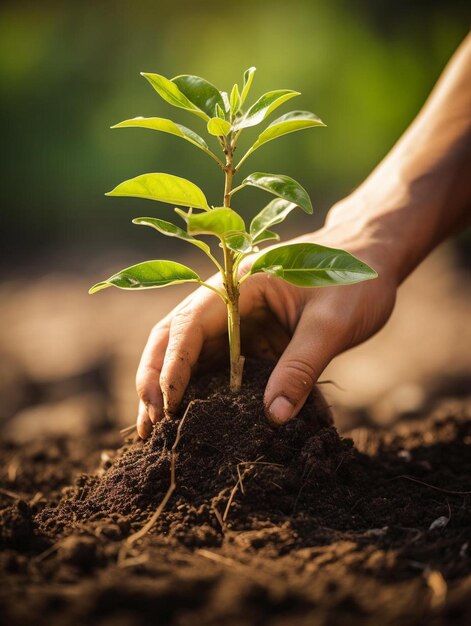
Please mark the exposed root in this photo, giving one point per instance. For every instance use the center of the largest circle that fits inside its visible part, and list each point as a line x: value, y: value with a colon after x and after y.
x: 421, y: 482
x: 238, y: 484
x: 131, y: 540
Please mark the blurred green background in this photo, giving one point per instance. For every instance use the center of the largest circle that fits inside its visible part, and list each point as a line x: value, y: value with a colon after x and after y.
x: 68, y: 70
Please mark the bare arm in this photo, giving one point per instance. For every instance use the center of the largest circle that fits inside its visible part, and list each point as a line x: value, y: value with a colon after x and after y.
x: 421, y: 192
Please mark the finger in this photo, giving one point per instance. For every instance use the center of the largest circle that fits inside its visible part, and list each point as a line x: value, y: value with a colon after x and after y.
x: 148, y: 372
x: 144, y: 425
x: 202, y: 319
x: 317, y: 339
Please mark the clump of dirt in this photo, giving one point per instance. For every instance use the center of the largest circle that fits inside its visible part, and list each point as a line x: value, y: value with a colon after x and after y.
x: 227, y: 448
x: 16, y: 526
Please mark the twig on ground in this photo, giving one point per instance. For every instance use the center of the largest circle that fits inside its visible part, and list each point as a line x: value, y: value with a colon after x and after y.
x: 257, y: 575
x: 242, y: 490
x: 223, y: 560
x: 421, y: 482
x: 43, y: 555
x: 218, y: 517
x: 124, y: 432
x: 11, y: 494
x: 36, y: 498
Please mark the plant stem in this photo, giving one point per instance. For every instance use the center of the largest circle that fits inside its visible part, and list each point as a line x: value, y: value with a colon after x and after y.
x: 231, y: 284
x: 228, y: 183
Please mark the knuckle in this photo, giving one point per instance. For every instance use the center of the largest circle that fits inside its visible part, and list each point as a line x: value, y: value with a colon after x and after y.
x: 300, y: 374
x: 159, y: 329
x: 182, y: 317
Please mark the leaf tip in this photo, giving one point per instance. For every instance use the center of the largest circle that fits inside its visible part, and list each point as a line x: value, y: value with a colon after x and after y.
x: 98, y: 287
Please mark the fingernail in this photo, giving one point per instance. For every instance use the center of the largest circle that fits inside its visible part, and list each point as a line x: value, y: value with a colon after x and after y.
x: 281, y: 410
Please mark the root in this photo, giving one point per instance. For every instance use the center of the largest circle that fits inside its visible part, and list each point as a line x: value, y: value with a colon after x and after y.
x: 421, y: 482
x: 131, y: 540
x: 240, y: 484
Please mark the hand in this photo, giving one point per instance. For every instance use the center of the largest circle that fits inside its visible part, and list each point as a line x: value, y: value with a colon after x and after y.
x: 304, y: 329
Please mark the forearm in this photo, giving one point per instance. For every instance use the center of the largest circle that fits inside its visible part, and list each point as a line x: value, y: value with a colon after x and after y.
x: 421, y: 192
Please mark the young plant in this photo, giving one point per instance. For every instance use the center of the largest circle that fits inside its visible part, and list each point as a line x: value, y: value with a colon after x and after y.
x: 226, y: 117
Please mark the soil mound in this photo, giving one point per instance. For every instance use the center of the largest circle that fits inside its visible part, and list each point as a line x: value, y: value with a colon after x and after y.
x: 226, y: 449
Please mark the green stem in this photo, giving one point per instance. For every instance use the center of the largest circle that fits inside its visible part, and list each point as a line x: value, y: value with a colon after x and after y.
x: 235, y: 190
x: 231, y: 284
x: 221, y: 294
x: 246, y: 155
x: 213, y: 156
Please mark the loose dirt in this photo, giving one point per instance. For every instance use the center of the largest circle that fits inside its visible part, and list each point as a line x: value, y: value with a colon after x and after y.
x: 285, y: 526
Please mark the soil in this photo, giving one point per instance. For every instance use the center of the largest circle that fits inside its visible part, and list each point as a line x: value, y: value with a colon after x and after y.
x: 268, y: 526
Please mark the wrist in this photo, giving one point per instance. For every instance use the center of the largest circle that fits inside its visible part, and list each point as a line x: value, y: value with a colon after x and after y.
x: 367, y: 237
x: 381, y: 219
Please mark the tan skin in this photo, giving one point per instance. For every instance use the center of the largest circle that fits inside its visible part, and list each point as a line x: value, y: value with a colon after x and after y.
x: 418, y: 195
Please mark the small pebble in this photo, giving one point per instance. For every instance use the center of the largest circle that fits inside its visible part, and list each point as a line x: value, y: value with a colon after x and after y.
x: 440, y: 522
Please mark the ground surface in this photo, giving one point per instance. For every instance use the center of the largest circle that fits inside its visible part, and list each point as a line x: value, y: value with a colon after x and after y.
x: 279, y: 527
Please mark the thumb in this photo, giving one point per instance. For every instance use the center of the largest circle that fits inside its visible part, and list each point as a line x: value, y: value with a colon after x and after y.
x: 314, y: 344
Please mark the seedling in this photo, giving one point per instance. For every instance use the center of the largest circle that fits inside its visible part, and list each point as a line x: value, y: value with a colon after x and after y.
x: 226, y: 117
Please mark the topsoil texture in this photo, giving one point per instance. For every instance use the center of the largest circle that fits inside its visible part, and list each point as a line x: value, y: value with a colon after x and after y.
x: 282, y: 526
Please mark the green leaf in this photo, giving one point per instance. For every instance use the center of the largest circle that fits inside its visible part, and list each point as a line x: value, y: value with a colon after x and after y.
x: 165, y: 126
x: 218, y: 127
x: 264, y: 106
x: 266, y: 235
x: 289, y: 123
x: 282, y: 186
x: 248, y: 78
x: 219, y: 222
x: 274, y: 213
x: 235, y: 99
x: 227, y: 105
x: 239, y: 242
x: 149, y: 275
x: 200, y: 92
x: 170, y: 92
x: 169, y: 229
x: 220, y: 113
x: 164, y: 188
x: 313, y: 265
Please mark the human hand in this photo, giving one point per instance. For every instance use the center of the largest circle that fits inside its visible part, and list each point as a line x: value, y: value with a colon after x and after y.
x: 303, y: 329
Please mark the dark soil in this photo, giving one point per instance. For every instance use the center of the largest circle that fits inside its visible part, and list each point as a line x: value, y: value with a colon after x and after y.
x: 283, y: 526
